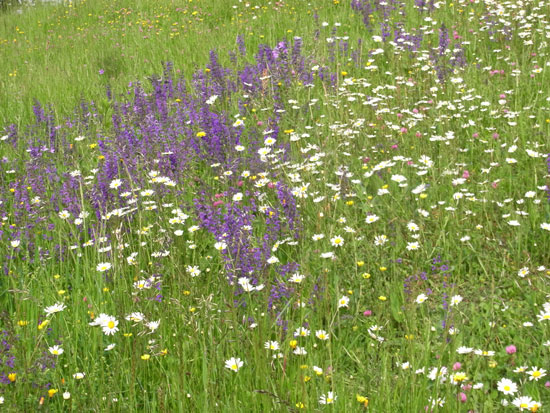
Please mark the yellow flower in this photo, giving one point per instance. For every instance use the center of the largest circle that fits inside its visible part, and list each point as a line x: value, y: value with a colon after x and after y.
x: 146, y: 357
x: 363, y: 400
x: 306, y: 379
x: 382, y: 298
x: 459, y: 377
x: 366, y: 275
x: 293, y: 343
x: 360, y: 263
x: 22, y: 323
x: 300, y: 405
x: 12, y: 377
x: 201, y: 134
x: 51, y: 392
x: 43, y: 324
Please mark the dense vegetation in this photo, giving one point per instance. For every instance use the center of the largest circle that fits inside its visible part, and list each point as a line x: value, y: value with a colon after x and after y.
x: 275, y: 206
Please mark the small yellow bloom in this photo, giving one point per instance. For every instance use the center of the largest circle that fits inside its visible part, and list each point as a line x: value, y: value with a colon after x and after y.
x: 43, y: 324
x: 12, y: 377
x: 61, y: 292
x: 105, y: 289
x: 186, y: 292
x: 344, y: 74
x: 459, y: 377
x: 146, y: 357
x: 306, y: 379
x: 363, y: 400
x: 300, y: 405
x: 128, y: 334
x: 366, y: 275
x: 164, y: 352
x: 423, y: 196
x: 303, y: 366
x: 57, y: 276
x: 382, y: 298
x: 22, y: 323
x: 360, y: 263
x: 51, y: 392
x: 383, y: 268
x: 201, y: 134
x: 293, y: 343
x: 192, y: 309
x: 492, y: 364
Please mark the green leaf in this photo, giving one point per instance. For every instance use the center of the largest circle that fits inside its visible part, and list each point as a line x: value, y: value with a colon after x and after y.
x: 396, y: 303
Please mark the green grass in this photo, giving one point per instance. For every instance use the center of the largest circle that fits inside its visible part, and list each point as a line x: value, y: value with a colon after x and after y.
x: 383, y: 344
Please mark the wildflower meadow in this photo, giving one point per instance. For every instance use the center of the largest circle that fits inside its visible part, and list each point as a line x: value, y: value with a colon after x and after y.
x: 257, y: 206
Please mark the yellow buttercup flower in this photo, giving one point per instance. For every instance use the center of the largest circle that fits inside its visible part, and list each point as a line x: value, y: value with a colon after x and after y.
x: 362, y: 399
x: 43, y: 324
